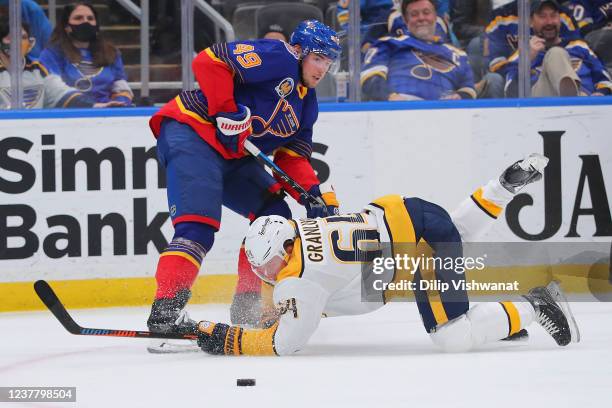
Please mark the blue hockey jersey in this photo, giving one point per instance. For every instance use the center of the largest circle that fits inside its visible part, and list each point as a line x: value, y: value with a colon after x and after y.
x: 371, y: 12
x: 591, y: 14
x: 263, y: 75
x: 593, y: 76
x: 423, y: 70
x: 102, y: 84
x: 502, y: 35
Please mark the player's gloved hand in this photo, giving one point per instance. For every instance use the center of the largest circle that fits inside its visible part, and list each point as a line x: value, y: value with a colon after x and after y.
x: 330, y: 203
x: 211, y: 337
x: 269, y: 316
x: 233, y: 128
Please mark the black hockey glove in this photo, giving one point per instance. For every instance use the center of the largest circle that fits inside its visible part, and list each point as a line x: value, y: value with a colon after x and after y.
x: 327, y: 194
x: 219, y: 338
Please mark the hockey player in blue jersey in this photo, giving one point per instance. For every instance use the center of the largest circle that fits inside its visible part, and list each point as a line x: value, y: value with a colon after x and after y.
x: 262, y: 90
x: 559, y: 67
x: 419, y: 66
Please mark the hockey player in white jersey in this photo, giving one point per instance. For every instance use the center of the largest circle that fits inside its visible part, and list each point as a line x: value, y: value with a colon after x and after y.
x: 315, y: 266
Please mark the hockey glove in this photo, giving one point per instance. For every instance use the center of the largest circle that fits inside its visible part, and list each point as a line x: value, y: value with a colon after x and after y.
x: 233, y: 128
x: 327, y: 194
x: 219, y: 338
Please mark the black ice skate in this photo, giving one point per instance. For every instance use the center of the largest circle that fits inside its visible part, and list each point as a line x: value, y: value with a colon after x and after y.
x: 518, y: 337
x: 553, y: 313
x: 523, y: 172
x: 169, y: 316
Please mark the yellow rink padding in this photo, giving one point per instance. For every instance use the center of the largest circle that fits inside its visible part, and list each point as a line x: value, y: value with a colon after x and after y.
x: 94, y: 293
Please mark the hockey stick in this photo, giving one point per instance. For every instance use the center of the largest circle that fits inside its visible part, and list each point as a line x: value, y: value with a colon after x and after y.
x: 265, y: 160
x: 50, y: 299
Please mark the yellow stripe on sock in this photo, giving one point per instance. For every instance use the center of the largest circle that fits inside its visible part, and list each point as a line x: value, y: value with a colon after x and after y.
x: 514, y: 318
x: 488, y: 206
x: 182, y: 255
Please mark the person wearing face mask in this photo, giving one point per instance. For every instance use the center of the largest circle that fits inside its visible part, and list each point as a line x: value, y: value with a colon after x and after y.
x: 40, y: 88
x: 558, y: 67
x: 80, y: 54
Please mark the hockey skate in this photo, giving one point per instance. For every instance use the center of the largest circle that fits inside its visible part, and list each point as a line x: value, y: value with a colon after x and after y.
x: 523, y: 172
x: 553, y: 313
x: 519, y: 337
x: 169, y: 316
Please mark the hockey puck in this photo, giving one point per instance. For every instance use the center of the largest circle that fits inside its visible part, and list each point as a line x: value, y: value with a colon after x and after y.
x: 245, y: 382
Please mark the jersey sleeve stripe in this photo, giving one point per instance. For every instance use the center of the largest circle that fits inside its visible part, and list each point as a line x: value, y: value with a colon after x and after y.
x: 188, y: 112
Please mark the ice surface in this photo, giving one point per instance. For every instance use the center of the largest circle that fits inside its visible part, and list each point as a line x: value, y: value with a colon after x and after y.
x: 383, y: 359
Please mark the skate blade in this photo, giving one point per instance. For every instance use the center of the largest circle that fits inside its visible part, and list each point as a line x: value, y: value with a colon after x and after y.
x: 172, y: 347
x: 555, y: 289
x: 520, y: 337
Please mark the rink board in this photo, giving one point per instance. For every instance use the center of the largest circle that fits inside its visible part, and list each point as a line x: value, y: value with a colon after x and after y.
x: 64, y: 175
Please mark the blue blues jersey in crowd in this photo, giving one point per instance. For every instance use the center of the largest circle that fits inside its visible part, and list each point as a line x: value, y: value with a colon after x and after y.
x: 371, y: 12
x: 591, y: 14
x: 422, y: 70
x: 502, y: 35
x: 102, y: 84
x: 593, y: 76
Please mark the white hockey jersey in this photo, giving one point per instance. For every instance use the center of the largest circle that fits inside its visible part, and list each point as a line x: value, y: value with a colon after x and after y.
x: 324, y: 274
x: 40, y: 89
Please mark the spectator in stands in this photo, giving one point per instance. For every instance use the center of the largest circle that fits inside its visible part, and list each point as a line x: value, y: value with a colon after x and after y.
x: 469, y: 19
x: 32, y: 15
x: 418, y: 66
x: 40, y: 89
x: 85, y: 60
x: 502, y: 33
x: 594, y: 19
x: 374, y: 15
x: 396, y: 23
x: 274, y: 32
x: 559, y: 68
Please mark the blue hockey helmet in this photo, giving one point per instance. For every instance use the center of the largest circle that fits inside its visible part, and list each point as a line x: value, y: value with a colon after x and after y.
x: 314, y: 36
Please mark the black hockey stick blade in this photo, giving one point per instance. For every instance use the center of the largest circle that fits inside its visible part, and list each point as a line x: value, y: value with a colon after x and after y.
x: 50, y: 299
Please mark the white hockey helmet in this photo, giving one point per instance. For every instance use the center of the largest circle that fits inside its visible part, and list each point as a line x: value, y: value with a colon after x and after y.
x: 265, y: 246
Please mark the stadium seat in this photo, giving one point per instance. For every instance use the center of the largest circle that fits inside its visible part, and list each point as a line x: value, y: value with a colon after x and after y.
x: 229, y: 6
x: 243, y: 15
x: 288, y: 15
